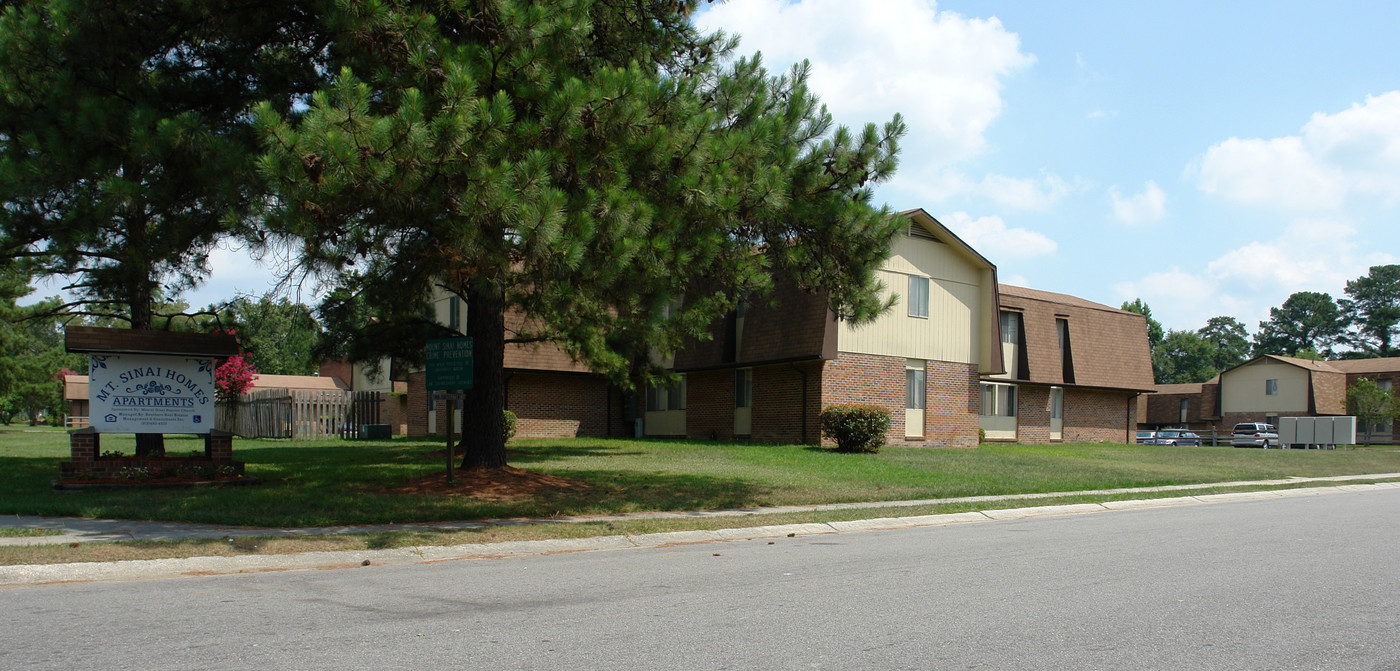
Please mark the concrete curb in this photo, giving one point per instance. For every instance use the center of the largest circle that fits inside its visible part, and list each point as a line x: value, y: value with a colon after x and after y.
x: 158, y: 569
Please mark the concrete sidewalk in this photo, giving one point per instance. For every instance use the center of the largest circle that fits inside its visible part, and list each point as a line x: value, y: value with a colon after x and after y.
x: 156, y: 569
x: 82, y: 530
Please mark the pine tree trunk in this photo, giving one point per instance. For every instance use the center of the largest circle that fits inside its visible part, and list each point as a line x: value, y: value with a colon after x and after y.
x: 482, y: 422
x: 148, y: 445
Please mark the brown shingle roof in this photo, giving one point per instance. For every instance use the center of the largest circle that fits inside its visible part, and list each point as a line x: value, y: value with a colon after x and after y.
x: 1309, y: 364
x: 1187, y: 388
x: 1108, y: 347
x: 1052, y: 297
x: 1359, y: 366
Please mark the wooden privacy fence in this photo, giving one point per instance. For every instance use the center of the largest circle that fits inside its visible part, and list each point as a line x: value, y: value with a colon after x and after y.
x: 300, y: 415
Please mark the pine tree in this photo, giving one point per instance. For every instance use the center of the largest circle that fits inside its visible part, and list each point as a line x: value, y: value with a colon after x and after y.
x: 126, y: 149
x: 584, y: 165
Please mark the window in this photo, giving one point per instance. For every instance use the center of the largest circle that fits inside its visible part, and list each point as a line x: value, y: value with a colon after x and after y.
x: 454, y: 313
x: 1010, y: 327
x: 1271, y: 387
x: 743, y: 388
x: 914, y: 386
x: 998, y: 400
x: 666, y: 397
x: 1057, y: 403
x: 1272, y: 421
x: 1185, y: 404
x: 918, y: 296
x: 1066, y: 350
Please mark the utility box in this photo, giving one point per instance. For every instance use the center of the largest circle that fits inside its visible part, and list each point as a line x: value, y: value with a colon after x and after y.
x: 374, y: 432
x: 1318, y: 431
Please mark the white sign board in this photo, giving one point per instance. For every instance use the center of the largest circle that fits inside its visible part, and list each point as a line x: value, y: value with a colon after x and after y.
x: 148, y: 393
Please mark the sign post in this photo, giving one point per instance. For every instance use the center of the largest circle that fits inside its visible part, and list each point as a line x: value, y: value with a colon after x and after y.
x: 450, y: 372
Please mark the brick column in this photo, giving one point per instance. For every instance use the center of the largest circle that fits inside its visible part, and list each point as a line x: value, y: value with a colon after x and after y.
x: 218, y: 446
x: 84, y: 444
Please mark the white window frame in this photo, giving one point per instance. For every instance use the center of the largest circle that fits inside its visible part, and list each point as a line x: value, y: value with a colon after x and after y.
x: 1271, y: 387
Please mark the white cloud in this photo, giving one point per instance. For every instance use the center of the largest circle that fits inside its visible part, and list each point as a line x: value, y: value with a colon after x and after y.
x: 1145, y: 207
x: 1336, y: 157
x: 1029, y: 194
x: 1102, y: 114
x: 1309, y: 255
x: 941, y: 70
x: 991, y: 238
x: 1178, y: 298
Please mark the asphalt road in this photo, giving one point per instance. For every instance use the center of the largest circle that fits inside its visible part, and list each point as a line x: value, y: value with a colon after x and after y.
x: 1310, y: 582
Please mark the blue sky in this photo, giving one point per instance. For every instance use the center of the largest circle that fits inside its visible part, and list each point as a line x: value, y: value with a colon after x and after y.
x: 1211, y: 158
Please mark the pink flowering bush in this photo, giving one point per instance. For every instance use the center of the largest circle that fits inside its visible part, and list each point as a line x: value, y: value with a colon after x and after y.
x: 233, y: 377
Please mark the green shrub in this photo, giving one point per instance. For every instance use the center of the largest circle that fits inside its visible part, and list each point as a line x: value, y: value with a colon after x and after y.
x: 509, y: 425
x: 856, y: 428
x: 981, y: 435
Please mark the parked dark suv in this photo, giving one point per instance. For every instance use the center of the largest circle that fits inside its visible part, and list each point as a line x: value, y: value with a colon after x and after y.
x: 1255, y: 434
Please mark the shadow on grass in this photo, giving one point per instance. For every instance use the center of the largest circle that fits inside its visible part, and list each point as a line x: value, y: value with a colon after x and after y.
x: 631, y: 491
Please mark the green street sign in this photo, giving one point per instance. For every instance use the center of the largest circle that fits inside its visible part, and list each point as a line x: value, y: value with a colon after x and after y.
x: 449, y: 364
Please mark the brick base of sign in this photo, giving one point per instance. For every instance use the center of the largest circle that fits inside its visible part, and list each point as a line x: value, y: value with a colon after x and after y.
x: 88, y: 464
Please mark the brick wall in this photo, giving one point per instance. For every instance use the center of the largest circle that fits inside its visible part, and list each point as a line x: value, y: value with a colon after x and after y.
x: 417, y: 406
x: 709, y: 408
x: 1033, y: 415
x: 953, y: 401
x: 1099, y: 416
x: 85, y: 447
x: 337, y: 368
x: 777, y: 403
x: 867, y: 379
x: 951, y: 396
x: 546, y: 405
x: 563, y: 406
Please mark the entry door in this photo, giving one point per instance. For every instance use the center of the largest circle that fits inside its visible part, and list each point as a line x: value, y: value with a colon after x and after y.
x: 743, y: 401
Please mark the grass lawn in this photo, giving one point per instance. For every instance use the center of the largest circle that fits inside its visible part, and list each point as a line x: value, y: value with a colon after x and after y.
x: 343, y: 482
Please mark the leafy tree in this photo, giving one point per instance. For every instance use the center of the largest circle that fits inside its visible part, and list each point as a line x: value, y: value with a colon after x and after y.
x: 583, y: 165
x: 1372, y: 405
x: 1228, y: 340
x: 1183, y: 356
x: 1154, y: 327
x: 1307, y: 320
x: 278, y: 336
x: 31, y: 353
x: 1371, y: 311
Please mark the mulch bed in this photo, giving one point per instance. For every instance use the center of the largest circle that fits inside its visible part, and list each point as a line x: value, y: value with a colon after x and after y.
x: 488, y: 484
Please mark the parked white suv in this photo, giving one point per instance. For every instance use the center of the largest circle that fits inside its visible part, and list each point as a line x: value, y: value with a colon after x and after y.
x: 1255, y: 434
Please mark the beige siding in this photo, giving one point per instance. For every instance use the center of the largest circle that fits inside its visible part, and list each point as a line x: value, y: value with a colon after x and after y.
x: 665, y: 423
x: 917, y: 256
x: 1242, y: 389
x: 953, y: 330
x: 365, y: 380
